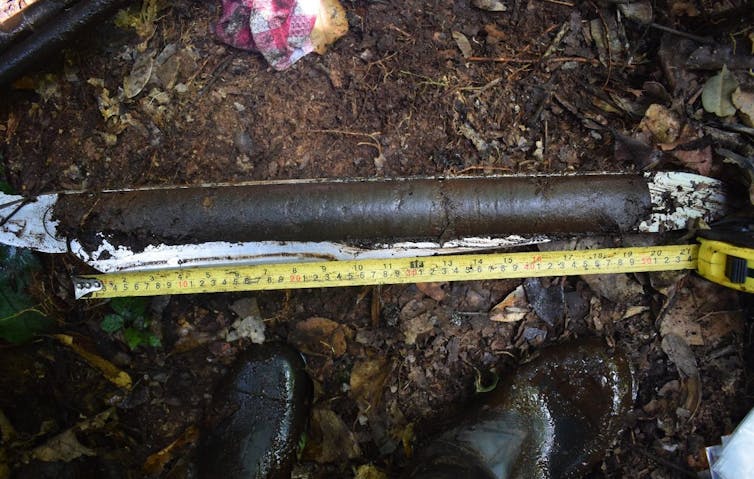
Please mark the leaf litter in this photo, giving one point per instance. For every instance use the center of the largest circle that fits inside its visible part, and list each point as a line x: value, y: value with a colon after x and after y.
x: 385, y: 369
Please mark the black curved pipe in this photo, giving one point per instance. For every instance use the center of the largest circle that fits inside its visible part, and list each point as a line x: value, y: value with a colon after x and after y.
x: 51, y: 36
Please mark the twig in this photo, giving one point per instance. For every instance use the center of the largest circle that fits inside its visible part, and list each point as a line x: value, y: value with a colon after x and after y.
x: 561, y: 2
x: 216, y: 72
x: 666, y: 463
x: 372, y: 136
x: 593, y: 61
x: 381, y: 63
x: 679, y: 33
x: 23, y: 311
x: 556, y: 41
x: 402, y: 32
x: 23, y: 202
x: 502, y: 59
x: 483, y: 168
x: 481, y: 89
x: 11, y: 203
x: 531, y: 61
x: 607, y: 44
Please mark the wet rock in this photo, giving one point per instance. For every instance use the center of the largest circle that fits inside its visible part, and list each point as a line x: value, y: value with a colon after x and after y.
x: 583, y: 392
x: 554, y: 418
x: 546, y: 301
x: 257, y: 417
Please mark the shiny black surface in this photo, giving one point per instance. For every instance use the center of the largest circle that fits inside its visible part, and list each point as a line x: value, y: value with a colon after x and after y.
x: 257, y: 417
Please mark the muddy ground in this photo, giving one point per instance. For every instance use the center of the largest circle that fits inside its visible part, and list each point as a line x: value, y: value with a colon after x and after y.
x: 540, y: 91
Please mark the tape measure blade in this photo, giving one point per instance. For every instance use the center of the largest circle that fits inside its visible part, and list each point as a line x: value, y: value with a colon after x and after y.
x: 489, y: 266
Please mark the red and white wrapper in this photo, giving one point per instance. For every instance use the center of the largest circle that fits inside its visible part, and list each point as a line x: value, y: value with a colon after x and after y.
x: 279, y: 29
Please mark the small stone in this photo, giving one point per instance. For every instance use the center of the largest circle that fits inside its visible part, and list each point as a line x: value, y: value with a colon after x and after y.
x: 243, y: 142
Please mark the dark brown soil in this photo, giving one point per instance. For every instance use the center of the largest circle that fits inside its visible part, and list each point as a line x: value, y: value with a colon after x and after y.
x: 394, y: 97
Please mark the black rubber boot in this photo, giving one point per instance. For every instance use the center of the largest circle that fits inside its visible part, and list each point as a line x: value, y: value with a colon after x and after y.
x: 257, y: 418
x: 553, y: 419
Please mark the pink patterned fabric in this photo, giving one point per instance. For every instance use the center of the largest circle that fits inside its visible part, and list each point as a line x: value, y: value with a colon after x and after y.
x: 279, y: 29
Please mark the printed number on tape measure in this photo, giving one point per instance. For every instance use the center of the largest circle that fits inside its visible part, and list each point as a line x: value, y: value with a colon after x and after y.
x: 387, y: 271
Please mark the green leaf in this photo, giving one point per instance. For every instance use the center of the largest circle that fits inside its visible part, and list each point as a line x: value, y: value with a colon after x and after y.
x: 135, y: 338
x: 23, y: 326
x: 5, y: 187
x: 112, y: 323
x: 20, y: 320
x: 716, y: 96
x: 153, y: 340
x: 129, y: 307
x: 485, y: 388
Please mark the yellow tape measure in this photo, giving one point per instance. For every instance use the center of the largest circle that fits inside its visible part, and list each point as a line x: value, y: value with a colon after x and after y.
x: 718, y: 261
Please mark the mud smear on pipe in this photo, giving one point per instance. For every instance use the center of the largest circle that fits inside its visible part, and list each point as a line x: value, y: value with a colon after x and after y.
x: 413, y: 209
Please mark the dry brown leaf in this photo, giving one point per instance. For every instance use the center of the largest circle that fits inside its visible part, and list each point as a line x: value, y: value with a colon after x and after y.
x: 320, y: 336
x: 140, y: 74
x: 618, y: 288
x: 368, y: 471
x: 329, y: 439
x: 65, y: 447
x: 694, y: 305
x: 632, y: 311
x: 435, y: 291
x: 418, y: 325
x: 490, y: 5
x: 744, y: 101
x: 367, y: 381
x: 662, y: 123
x: 662, y: 281
x: 684, y: 326
x: 638, y: 11
x: 682, y: 356
x: 511, y: 309
x: 716, y: 95
x: 463, y: 44
x: 684, y: 8
x: 699, y: 160
x: 331, y: 24
x: 156, y: 462
x: 719, y: 324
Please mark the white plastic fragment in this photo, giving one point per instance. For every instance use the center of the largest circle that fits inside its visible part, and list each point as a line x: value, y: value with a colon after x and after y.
x: 108, y: 258
x: 679, y: 197
x: 28, y: 223
x: 736, y: 459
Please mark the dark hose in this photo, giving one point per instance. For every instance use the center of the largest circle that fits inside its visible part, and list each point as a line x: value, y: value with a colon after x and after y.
x: 435, y: 209
x: 30, y: 19
x: 52, y: 36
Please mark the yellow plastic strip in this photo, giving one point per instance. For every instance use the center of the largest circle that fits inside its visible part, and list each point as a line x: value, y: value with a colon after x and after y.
x: 716, y: 258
